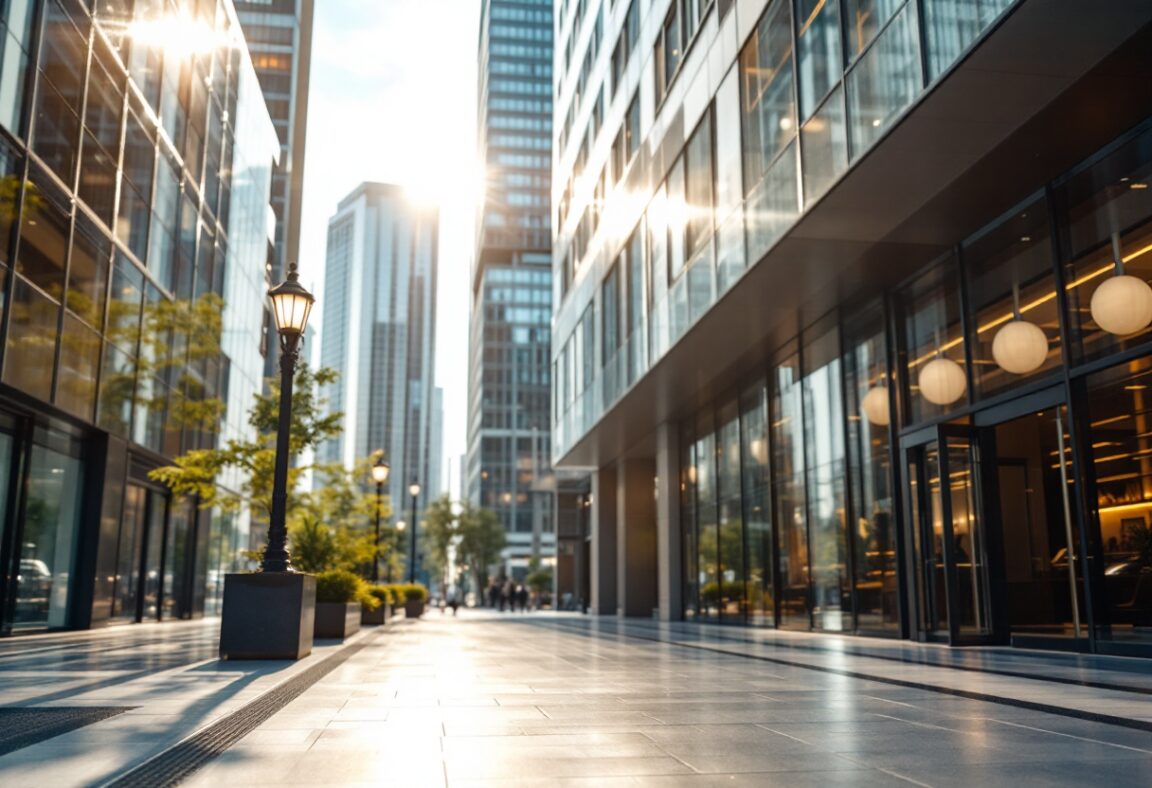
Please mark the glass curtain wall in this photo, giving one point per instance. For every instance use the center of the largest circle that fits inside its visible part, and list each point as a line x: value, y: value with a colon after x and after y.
x: 790, y: 514
x: 730, y: 515
x: 758, y: 552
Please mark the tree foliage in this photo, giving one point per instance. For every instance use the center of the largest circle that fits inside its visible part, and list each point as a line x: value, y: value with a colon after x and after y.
x: 481, y: 540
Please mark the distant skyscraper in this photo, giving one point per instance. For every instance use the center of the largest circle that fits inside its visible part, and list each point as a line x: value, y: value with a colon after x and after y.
x: 279, y: 35
x: 510, y: 338
x: 379, y: 333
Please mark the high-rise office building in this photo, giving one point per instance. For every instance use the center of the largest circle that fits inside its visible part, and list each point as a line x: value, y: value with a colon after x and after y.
x: 379, y: 333
x: 279, y: 36
x: 508, y: 469
x: 136, y: 170
x: 847, y: 314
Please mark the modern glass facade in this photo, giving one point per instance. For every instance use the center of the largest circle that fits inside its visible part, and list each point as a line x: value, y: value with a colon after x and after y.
x: 379, y: 332
x: 507, y: 467
x: 135, y: 172
x: 279, y: 36
x: 877, y: 404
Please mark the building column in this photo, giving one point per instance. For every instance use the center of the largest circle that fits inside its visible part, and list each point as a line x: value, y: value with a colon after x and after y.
x: 670, y: 567
x: 603, y: 558
x: 635, y: 538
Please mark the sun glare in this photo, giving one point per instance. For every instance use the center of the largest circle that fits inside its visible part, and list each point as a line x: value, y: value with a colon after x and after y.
x: 179, y: 35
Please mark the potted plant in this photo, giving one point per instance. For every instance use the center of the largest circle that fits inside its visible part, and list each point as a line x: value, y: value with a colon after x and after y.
x: 339, y: 595
x: 384, y: 598
x: 415, y: 595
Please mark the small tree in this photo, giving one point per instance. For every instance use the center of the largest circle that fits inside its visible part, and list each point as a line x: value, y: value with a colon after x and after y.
x: 438, y: 531
x: 481, y: 540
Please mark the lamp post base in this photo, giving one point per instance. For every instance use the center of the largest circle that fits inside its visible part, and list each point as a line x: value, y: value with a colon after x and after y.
x: 268, y: 615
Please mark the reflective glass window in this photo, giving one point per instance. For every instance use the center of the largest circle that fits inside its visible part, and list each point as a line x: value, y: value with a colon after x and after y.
x: 1012, y: 292
x: 76, y: 374
x: 772, y: 205
x: 733, y: 590
x: 688, y: 550
x: 1107, y: 230
x: 105, y: 101
x: 757, y: 504
x: 88, y: 271
x: 11, y: 180
x: 824, y: 454
x: 790, y: 515
x: 767, y: 92
x: 952, y: 25
x: 825, y: 147
x: 707, y: 535
x: 863, y: 20
x: 820, y: 65
x: 610, y: 332
x: 44, y: 233
x: 15, y: 43
x: 699, y: 185
x: 871, y: 525
x: 936, y: 367
x: 31, y: 349
x: 884, y: 81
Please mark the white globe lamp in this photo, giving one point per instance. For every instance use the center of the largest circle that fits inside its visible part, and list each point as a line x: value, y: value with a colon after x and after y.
x: 1020, y: 347
x: 875, y: 406
x: 1122, y: 305
x: 942, y: 381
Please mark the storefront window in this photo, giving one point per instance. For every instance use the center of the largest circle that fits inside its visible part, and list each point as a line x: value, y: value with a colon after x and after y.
x: 757, y: 504
x: 1012, y: 292
x: 1120, y: 411
x: 733, y: 594
x: 788, y: 485
x: 688, y: 521
x: 50, y: 529
x: 936, y: 378
x: 707, y: 537
x: 824, y: 454
x: 869, y: 460
x: 1108, y: 233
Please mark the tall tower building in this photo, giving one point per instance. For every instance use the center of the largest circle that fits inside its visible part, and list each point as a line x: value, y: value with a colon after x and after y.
x: 379, y: 333
x: 510, y: 336
x: 279, y: 35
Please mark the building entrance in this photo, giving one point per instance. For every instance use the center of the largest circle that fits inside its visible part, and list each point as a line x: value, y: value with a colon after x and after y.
x: 139, y: 566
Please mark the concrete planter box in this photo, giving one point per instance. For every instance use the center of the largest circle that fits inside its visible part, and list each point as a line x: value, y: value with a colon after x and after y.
x: 267, y: 615
x: 413, y: 608
x: 375, y: 618
x: 337, y: 619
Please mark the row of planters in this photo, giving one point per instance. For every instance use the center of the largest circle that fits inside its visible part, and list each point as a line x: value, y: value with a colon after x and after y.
x: 344, y: 602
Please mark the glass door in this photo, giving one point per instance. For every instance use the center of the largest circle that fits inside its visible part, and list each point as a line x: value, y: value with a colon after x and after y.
x: 140, y: 556
x: 950, y: 569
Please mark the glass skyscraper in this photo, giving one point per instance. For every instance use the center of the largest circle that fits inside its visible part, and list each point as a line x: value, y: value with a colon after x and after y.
x: 379, y: 333
x: 507, y: 466
x: 136, y: 161
x: 279, y: 36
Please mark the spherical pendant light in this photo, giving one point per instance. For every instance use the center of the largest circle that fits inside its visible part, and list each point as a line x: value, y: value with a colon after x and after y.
x: 1020, y: 347
x: 1122, y: 305
x: 875, y: 406
x: 942, y: 381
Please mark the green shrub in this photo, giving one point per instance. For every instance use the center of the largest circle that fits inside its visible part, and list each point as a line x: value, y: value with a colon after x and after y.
x: 414, y: 592
x: 341, y: 586
x: 383, y: 594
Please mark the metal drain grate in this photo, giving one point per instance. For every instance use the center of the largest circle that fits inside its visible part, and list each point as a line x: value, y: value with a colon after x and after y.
x: 21, y: 726
x: 180, y: 761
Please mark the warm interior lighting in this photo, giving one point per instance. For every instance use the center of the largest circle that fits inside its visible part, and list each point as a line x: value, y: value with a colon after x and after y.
x: 942, y: 381
x: 875, y: 406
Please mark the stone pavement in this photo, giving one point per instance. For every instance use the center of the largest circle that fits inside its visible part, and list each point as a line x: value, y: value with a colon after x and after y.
x: 541, y: 699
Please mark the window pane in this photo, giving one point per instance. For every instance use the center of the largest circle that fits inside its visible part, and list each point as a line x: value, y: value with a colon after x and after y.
x: 676, y: 215
x: 772, y: 205
x: 769, y: 101
x: 825, y: 147
x: 936, y: 375
x: 951, y: 25
x: 707, y: 538
x: 885, y: 81
x: 117, y: 390
x: 123, y: 327
x: 756, y: 504
x: 57, y: 133
x: 788, y: 483
x: 688, y: 522
x: 31, y: 347
x: 698, y: 186
x: 733, y: 593
x: 672, y: 44
x: 88, y: 271
x: 11, y: 179
x: 824, y: 437
x: 818, y: 50
x: 105, y: 104
x: 14, y: 68
x: 44, y: 234
x: 729, y: 186
x: 1109, y: 216
x: 1013, y: 296
x: 98, y: 180
x: 730, y: 258
x: 863, y: 19
x: 79, y: 357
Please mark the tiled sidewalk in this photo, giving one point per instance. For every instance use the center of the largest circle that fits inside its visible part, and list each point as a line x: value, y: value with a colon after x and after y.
x: 538, y: 699
x: 543, y: 700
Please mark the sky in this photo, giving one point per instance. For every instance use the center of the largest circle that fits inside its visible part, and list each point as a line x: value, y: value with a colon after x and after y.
x: 393, y: 99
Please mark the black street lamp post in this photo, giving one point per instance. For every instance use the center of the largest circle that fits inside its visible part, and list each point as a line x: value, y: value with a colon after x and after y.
x: 291, y: 305
x: 414, y: 491
x: 380, y: 472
